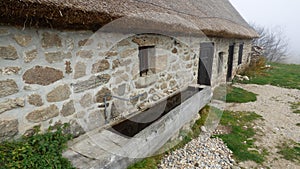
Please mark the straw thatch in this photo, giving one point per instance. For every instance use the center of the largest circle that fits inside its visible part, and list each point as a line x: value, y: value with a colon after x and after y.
x: 212, y: 17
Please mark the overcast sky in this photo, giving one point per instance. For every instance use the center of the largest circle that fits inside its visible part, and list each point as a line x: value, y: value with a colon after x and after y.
x: 271, y: 13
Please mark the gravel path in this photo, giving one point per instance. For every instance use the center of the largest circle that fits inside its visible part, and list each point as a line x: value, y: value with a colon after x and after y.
x: 202, y: 152
x: 273, y: 103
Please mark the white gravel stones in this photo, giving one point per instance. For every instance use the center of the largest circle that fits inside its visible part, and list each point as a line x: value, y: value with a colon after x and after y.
x: 202, y: 152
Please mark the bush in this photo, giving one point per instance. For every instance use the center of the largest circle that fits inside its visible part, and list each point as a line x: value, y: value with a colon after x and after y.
x: 256, y: 67
x: 37, y: 151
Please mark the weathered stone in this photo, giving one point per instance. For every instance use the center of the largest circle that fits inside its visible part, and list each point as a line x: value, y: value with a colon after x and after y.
x: 100, y: 66
x: 145, y: 40
x: 143, y: 96
x: 58, y: 94
x: 185, y: 75
x: 53, y: 57
x: 164, y: 86
x: 86, y: 100
x: 169, y: 77
x: 80, y: 70
x: 188, y: 66
x: 121, y: 89
x: 155, y: 97
x: 35, y: 100
x: 145, y: 81
x: 30, y: 56
x: 8, y: 87
x: 70, y: 44
x: 75, y: 129
x: 104, y: 92
x: 161, y: 63
x: 32, y: 131
x: 176, y: 67
x: 68, y: 68
x: 174, y: 50
x: 8, y: 129
x: 96, y: 119
x: 85, y: 42
x: 51, y: 40
x: 134, y: 99
x: 125, y: 62
x: 173, y: 83
x: 116, y: 64
x: 119, y: 72
x: 124, y: 42
x: 23, y: 40
x: 8, y: 52
x: 124, y: 77
x: 187, y: 57
x: 128, y: 53
x: 81, y: 115
x: 11, y: 104
x: 111, y: 53
x: 115, y: 112
x: 42, y: 76
x: 68, y: 109
x: 43, y: 114
x: 118, y: 80
x: 85, y: 54
x: 11, y: 70
x: 93, y: 82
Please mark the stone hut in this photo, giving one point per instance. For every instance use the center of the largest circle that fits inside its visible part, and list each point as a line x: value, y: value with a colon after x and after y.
x: 97, y: 63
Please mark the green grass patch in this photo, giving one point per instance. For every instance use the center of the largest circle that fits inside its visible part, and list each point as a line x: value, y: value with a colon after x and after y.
x: 37, y: 152
x: 298, y: 124
x: 290, y: 151
x: 207, y: 114
x: 283, y: 75
x: 232, y: 94
x: 295, y: 107
x: 240, y: 141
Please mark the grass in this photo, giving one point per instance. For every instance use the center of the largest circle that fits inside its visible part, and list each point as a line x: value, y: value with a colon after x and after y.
x: 290, y: 151
x: 241, y: 139
x: 232, y: 94
x: 152, y: 162
x: 283, y: 75
x: 298, y: 124
x: 295, y: 107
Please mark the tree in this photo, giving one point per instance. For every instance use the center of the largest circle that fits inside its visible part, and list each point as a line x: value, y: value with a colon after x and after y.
x: 273, y: 42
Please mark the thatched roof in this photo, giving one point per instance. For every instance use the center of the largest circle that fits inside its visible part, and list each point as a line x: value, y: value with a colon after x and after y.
x: 213, y: 17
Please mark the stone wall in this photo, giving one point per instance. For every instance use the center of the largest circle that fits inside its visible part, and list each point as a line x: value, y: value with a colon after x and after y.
x: 49, y: 77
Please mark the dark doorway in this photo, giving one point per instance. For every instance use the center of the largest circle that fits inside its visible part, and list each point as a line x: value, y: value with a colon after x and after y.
x: 205, y: 63
x: 230, y: 62
x: 241, y: 48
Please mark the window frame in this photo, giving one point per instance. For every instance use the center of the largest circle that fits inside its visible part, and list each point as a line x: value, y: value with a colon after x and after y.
x: 146, y: 60
x: 241, y: 53
x: 220, y: 62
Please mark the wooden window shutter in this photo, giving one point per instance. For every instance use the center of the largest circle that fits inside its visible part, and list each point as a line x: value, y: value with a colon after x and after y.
x: 241, y: 48
x: 143, y: 58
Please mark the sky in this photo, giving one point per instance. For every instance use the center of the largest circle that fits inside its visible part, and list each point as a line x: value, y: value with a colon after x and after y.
x: 272, y: 13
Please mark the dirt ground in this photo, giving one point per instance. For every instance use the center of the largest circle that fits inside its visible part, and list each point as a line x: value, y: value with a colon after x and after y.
x: 279, y: 124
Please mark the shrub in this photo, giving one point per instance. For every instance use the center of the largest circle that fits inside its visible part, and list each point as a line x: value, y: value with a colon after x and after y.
x: 36, y: 151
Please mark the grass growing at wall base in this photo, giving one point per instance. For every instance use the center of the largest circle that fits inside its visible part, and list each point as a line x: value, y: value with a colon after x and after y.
x: 241, y: 138
x: 36, y: 152
x: 232, y: 94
